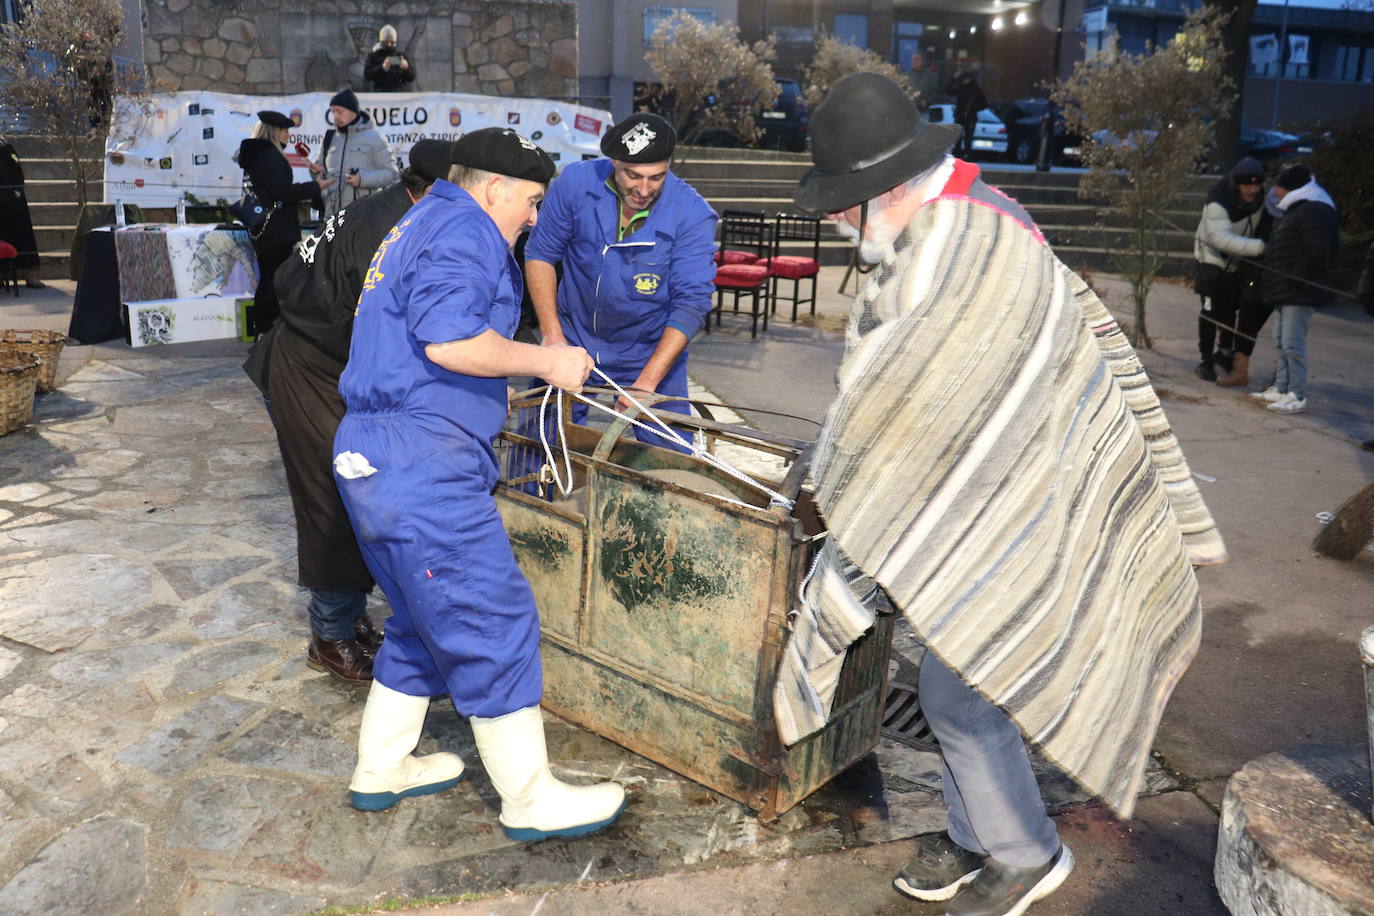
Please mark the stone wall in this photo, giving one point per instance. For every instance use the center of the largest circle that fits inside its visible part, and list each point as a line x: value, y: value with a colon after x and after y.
x: 284, y: 46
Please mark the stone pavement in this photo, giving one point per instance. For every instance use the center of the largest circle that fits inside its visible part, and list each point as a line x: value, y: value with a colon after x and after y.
x: 164, y: 749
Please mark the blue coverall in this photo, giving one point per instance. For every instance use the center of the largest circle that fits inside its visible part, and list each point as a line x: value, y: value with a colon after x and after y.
x: 464, y: 620
x: 616, y: 296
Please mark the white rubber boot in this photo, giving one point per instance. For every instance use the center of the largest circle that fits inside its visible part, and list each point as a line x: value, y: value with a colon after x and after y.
x: 534, y: 804
x: 386, y: 771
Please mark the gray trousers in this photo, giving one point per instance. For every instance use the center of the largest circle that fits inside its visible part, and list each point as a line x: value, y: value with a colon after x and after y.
x: 993, y: 799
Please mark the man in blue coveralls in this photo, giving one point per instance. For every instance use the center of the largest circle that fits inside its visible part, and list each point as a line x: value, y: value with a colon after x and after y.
x: 635, y: 243
x: 426, y: 393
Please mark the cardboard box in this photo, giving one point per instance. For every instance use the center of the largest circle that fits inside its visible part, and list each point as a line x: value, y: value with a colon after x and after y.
x: 165, y: 321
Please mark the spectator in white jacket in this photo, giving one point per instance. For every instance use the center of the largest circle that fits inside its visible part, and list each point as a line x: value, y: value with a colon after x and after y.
x: 1228, y: 238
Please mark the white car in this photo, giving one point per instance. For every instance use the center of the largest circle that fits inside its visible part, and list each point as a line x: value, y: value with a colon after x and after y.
x: 989, y: 134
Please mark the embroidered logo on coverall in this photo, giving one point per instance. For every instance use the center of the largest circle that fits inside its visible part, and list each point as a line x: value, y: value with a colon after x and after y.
x: 647, y: 283
x: 374, y: 273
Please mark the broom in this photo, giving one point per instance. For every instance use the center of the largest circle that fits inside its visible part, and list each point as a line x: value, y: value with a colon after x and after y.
x: 1351, y: 529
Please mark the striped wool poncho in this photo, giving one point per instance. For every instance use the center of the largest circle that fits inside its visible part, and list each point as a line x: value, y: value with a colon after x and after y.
x: 998, y: 463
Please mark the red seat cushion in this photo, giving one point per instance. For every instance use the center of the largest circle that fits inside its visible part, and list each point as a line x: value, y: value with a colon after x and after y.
x: 741, y: 275
x: 790, y: 266
x: 730, y: 256
x: 7, y: 250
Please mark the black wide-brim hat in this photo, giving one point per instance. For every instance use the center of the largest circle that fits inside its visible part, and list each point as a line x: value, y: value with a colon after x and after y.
x: 867, y: 137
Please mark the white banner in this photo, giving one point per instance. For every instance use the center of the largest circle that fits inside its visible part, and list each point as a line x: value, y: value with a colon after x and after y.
x: 187, y: 141
x: 1297, y: 49
x: 1264, y: 49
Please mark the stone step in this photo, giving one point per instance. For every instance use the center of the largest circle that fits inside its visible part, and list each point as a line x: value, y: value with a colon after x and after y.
x: 54, y: 213
x: 33, y: 146
x: 61, y: 168
x: 1114, y: 237
x: 57, y: 190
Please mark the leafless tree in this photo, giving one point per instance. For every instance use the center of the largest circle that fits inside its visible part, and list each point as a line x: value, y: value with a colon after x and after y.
x: 835, y: 59
x: 1147, y: 122
x: 710, y: 79
x: 57, y: 68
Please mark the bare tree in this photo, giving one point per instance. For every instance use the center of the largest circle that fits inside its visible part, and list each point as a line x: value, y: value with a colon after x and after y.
x: 57, y: 67
x: 835, y: 59
x: 711, y: 80
x: 1147, y: 122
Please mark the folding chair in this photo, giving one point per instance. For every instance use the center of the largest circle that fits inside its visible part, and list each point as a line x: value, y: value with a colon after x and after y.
x: 743, y: 236
x: 791, y: 227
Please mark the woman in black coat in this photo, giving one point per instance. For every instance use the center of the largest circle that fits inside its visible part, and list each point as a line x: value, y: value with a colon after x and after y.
x: 265, y: 168
x: 16, y: 227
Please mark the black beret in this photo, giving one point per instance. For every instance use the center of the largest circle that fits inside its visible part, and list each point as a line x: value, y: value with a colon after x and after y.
x: 642, y: 137
x: 504, y: 152
x: 275, y: 119
x: 431, y: 158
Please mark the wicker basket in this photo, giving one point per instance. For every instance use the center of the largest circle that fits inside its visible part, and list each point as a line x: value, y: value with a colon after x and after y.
x: 18, y: 379
x: 46, y: 345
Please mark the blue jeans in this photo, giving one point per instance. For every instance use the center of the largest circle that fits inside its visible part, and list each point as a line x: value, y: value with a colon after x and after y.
x: 993, y: 799
x: 1290, y: 342
x: 332, y: 613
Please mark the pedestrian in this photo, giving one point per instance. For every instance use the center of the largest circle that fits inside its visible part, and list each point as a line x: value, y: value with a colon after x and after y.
x: 354, y: 153
x: 1227, y: 232
x: 1297, y: 270
x: 318, y: 288
x: 16, y: 225
x: 426, y: 392
x: 268, y: 175
x: 974, y: 465
x: 968, y: 101
x: 386, y: 67
x: 923, y: 80
x: 634, y: 242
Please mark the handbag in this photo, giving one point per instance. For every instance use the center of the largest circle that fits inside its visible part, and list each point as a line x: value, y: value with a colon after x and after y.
x: 252, y: 212
x: 1205, y: 278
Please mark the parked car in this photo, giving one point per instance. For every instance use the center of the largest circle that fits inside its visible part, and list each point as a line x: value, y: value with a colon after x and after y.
x: 989, y: 134
x: 1269, y: 144
x: 1025, y: 118
x: 784, y: 125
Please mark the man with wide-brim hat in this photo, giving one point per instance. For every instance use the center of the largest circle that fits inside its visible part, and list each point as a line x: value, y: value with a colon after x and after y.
x: 635, y: 243
x: 975, y: 466
x: 426, y: 393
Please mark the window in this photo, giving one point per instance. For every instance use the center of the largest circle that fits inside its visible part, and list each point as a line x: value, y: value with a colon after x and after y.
x: 852, y: 28
x: 655, y: 16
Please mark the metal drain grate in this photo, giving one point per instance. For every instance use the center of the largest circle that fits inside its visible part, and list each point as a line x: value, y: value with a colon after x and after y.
x: 903, y: 721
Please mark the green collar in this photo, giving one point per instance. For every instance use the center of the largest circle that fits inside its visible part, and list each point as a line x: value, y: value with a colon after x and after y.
x: 635, y: 221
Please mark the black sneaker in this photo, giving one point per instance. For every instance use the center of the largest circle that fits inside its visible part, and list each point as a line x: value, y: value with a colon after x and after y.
x: 1000, y: 890
x: 940, y: 868
x: 1206, y: 371
x: 1226, y: 359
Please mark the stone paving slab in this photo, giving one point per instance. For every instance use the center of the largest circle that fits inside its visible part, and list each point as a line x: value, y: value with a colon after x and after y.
x: 155, y: 704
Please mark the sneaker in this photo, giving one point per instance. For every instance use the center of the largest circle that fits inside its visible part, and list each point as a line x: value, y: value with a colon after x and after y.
x: 1001, y: 890
x: 1289, y: 403
x: 1270, y: 394
x: 940, y: 868
x: 1206, y: 371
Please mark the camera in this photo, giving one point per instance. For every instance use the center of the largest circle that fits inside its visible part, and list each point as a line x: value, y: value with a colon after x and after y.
x: 352, y: 171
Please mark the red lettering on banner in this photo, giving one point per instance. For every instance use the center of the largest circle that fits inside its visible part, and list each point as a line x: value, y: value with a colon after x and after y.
x: 586, y: 124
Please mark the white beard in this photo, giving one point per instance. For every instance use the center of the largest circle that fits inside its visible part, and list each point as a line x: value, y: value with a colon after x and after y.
x: 877, y: 241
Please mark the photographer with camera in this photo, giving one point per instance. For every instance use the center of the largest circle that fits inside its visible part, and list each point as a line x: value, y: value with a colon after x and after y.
x: 386, y: 67
x: 354, y: 153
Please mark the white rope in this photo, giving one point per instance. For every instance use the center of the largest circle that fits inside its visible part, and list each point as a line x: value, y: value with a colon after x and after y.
x: 667, y: 432
x: 552, y: 465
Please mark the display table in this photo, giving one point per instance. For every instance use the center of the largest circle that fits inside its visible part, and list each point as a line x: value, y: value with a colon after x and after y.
x: 174, y: 269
